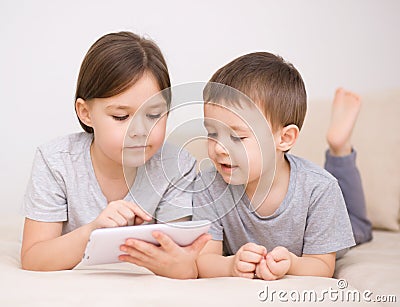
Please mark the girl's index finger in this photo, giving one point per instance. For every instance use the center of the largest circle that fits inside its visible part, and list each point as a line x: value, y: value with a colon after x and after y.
x: 137, y: 210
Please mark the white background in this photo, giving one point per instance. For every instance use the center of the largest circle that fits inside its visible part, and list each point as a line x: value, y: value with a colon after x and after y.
x: 353, y: 43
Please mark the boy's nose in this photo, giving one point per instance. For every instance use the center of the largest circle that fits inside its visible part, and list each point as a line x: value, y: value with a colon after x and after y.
x: 220, y: 148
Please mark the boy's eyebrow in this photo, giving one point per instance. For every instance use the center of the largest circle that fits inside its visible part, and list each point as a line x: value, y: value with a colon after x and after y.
x: 234, y: 127
x: 239, y: 128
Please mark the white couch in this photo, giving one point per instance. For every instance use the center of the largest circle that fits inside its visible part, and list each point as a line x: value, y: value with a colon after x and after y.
x: 371, y: 269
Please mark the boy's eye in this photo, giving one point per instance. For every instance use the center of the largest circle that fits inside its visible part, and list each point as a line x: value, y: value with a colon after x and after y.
x: 212, y: 135
x: 120, y: 118
x: 153, y: 116
x: 237, y: 138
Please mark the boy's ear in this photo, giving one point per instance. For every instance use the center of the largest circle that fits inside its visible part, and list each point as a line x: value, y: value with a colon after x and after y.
x: 288, y: 137
x: 83, y: 111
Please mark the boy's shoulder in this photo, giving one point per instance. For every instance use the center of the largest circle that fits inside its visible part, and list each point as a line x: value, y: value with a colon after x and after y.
x: 210, y: 173
x: 309, y: 171
x: 213, y: 180
x: 74, y: 143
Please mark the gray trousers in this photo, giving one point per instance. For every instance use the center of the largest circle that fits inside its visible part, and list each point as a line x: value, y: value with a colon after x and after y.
x: 348, y: 176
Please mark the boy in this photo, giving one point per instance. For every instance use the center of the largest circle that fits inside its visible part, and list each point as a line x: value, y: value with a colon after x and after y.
x: 291, y: 209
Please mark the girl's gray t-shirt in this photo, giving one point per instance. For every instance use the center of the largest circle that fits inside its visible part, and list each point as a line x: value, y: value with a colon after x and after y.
x: 312, y: 218
x: 63, y: 186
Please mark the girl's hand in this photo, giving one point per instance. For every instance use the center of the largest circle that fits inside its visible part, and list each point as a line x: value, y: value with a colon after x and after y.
x: 246, y: 259
x: 275, y: 265
x: 120, y: 213
x: 168, y: 259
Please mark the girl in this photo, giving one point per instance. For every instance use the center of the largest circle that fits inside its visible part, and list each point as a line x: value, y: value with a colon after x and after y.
x: 78, y: 181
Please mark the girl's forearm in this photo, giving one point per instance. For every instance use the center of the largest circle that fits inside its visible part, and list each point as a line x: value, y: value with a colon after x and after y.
x: 61, y: 253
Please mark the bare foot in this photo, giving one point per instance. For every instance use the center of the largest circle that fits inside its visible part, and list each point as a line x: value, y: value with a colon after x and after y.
x: 345, y: 108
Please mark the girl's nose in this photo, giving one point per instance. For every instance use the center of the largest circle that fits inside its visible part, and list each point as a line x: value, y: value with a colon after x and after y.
x: 137, y: 127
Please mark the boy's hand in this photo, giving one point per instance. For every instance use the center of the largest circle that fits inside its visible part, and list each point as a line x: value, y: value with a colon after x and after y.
x: 168, y: 259
x: 246, y: 259
x: 120, y: 213
x: 275, y: 265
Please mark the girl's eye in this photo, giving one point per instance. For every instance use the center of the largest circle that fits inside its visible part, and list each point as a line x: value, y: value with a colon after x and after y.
x: 153, y: 116
x: 121, y: 118
x: 212, y: 135
x: 237, y: 138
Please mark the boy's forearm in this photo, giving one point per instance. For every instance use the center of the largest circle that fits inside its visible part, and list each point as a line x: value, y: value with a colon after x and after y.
x: 310, y: 266
x: 61, y: 253
x: 214, y: 265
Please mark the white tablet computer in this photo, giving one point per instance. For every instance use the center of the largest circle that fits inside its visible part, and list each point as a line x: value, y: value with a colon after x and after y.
x: 104, y: 244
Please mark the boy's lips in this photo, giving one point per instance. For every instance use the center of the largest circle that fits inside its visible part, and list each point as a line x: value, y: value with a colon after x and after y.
x: 227, y: 168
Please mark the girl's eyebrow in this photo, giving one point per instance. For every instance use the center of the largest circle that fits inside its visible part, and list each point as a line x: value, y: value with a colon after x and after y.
x: 122, y: 107
x: 154, y: 105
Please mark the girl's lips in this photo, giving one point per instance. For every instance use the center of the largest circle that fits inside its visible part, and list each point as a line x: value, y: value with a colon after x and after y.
x: 136, y: 146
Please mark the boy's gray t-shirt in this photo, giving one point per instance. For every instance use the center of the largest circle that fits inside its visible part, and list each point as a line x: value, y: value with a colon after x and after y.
x: 312, y: 218
x: 63, y: 185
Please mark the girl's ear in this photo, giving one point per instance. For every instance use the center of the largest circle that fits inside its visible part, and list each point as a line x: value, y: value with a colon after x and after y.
x: 83, y: 111
x: 288, y: 137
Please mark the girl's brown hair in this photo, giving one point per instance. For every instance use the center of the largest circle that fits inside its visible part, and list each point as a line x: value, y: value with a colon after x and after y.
x: 115, y: 62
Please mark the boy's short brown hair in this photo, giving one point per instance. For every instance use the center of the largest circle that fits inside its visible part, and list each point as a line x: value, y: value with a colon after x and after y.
x: 268, y: 80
